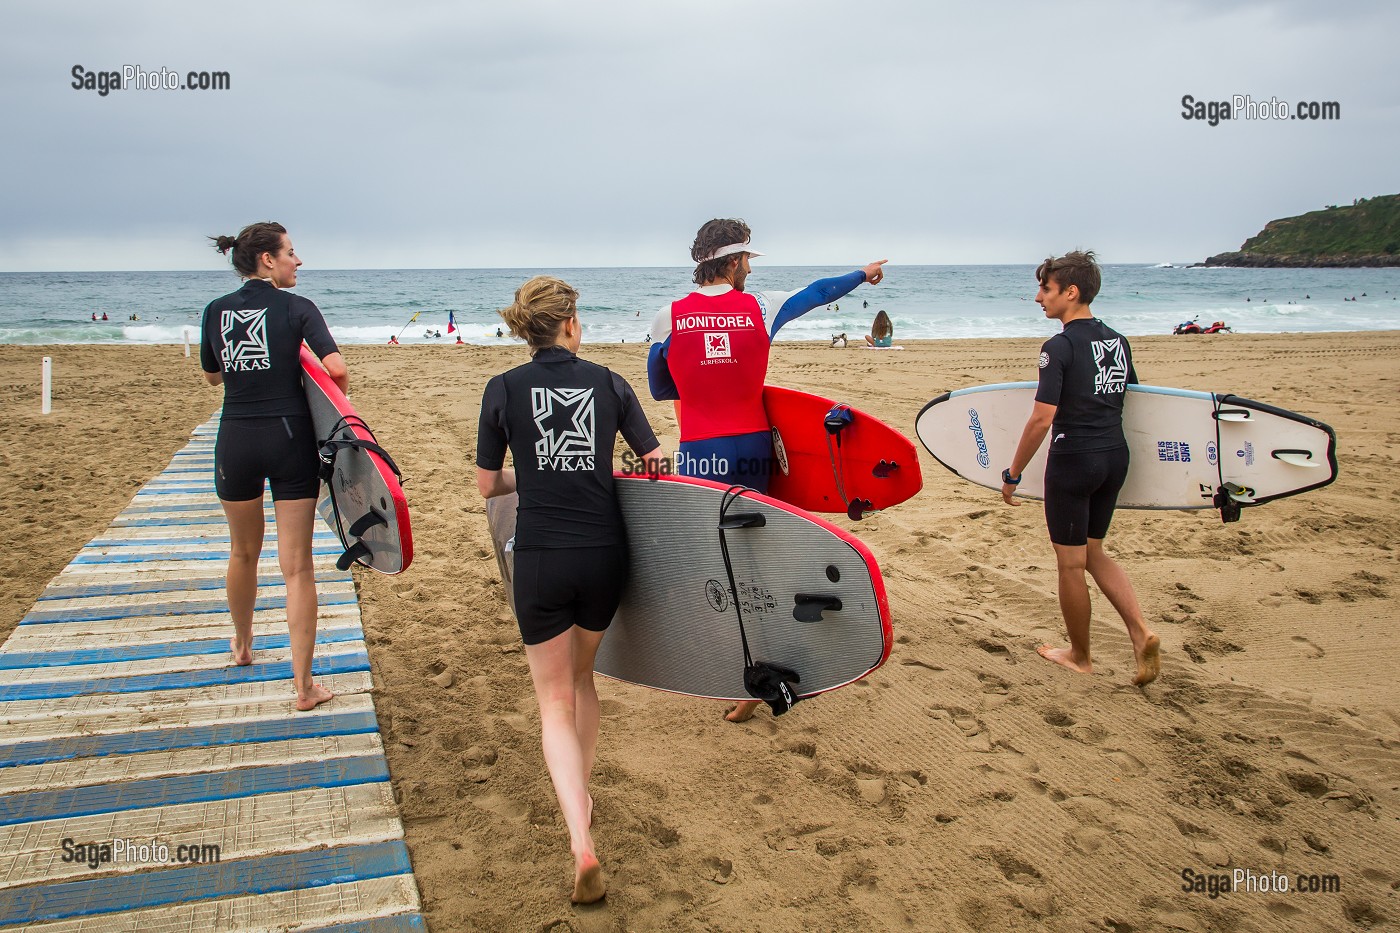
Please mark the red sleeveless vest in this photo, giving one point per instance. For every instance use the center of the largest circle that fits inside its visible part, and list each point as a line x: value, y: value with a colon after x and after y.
x: 718, y: 357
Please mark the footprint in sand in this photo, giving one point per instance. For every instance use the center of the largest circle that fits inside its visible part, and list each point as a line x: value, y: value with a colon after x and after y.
x: 995, y: 648
x: 1310, y: 647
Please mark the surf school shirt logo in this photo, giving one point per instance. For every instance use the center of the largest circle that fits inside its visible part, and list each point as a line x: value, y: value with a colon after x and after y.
x: 245, y: 340
x: 1111, y: 362
x: 716, y: 345
x: 565, y: 419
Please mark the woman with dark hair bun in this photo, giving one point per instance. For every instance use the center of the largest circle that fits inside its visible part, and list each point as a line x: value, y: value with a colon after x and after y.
x: 251, y: 345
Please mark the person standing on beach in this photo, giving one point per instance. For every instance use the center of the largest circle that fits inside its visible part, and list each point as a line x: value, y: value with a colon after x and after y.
x: 251, y: 345
x: 570, y: 544
x: 710, y: 355
x: 1085, y: 371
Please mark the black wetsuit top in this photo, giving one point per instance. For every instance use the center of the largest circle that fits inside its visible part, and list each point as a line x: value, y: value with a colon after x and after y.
x: 253, y: 336
x: 559, y: 416
x: 1085, y: 371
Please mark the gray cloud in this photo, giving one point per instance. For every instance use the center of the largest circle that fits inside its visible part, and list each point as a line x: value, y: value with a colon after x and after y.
x: 447, y: 134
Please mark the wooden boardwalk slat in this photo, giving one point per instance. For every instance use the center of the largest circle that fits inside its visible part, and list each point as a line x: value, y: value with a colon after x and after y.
x: 126, y: 720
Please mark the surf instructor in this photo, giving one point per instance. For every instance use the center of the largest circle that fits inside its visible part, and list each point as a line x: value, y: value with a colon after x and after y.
x: 559, y: 416
x: 710, y: 355
x: 251, y: 345
x: 1085, y: 371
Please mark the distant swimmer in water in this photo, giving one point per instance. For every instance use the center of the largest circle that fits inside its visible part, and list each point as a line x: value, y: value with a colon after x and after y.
x: 498, y: 332
x: 94, y: 315
x: 104, y: 315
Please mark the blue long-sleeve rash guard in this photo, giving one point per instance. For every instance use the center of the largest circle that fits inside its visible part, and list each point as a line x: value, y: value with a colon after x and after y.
x: 789, y: 305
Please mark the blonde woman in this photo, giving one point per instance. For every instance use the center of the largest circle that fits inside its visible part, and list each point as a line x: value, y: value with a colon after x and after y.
x: 559, y: 416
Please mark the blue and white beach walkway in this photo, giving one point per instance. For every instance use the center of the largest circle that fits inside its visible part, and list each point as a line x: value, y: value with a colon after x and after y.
x: 123, y: 723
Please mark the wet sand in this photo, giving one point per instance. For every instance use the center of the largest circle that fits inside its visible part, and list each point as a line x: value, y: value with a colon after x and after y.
x: 968, y: 784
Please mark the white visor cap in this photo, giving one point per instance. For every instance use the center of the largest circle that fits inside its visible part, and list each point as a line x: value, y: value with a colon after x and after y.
x: 730, y: 250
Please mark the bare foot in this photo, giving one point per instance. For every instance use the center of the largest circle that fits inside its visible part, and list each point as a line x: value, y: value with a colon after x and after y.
x: 1064, y: 658
x: 241, y: 657
x: 589, y: 886
x: 742, y: 711
x: 314, y: 698
x: 1149, y: 660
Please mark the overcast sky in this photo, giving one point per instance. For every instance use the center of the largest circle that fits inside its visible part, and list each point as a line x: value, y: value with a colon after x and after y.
x: 603, y: 133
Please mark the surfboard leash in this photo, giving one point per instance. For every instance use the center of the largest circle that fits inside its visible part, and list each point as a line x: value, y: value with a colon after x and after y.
x: 763, y: 681
x: 327, y: 451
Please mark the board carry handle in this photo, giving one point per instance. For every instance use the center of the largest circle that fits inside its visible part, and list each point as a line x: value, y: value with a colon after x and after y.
x: 1231, y: 414
x: 353, y: 553
x: 743, y: 520
x: 808, y: 607
x: 365, y: 522
x: 1302, y: 458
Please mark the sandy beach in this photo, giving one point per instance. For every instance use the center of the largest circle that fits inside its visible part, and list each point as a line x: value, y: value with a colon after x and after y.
x: 967, y: 784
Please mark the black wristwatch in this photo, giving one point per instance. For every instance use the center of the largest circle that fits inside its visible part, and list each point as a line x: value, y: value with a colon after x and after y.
x: 1006, y: 478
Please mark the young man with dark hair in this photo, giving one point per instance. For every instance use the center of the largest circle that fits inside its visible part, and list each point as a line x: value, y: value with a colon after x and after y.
x: 710, y: 355
x: 1084, y: 374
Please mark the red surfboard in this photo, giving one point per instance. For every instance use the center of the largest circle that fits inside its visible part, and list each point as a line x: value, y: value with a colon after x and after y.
x: 363, y: 499
x: 830, y: 457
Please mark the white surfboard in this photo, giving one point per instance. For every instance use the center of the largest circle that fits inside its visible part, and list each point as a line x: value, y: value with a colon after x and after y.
x: 1188, y: 450
x: 810, y: 593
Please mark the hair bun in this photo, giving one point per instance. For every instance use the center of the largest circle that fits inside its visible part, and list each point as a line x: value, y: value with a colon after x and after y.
x: 225, y: 243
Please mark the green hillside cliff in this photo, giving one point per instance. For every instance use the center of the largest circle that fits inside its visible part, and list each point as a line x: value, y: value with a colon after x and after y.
x: 1365, y: 234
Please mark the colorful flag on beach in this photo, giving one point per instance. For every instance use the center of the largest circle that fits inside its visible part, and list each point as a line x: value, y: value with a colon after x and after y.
x: 451, y: 322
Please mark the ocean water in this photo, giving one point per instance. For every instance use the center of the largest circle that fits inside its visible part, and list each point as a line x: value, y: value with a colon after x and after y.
x: 617, y: 305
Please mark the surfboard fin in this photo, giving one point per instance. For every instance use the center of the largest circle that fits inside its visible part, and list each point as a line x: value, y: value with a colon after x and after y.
x: 365, y: 522
x: 353, y: 553
x: 808, y: 607
x: 883, y: 469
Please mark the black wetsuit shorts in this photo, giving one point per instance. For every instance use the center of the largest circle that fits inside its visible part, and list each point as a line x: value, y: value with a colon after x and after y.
x: 280, y: 450
x: 1081, y: 491
x: 558, y: 588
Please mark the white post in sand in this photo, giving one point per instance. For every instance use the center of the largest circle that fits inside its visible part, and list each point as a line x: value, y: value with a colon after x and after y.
x: 46, y: 403
x: 187, y: 343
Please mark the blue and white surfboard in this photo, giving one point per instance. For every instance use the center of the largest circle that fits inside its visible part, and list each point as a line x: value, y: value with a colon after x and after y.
x: 1188, y: 449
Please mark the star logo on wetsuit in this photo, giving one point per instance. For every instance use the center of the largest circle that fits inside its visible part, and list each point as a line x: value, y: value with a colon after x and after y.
x: 245, y: 339
x: 716, y: 344
x: 565, y: 418
x: 1111, y: 359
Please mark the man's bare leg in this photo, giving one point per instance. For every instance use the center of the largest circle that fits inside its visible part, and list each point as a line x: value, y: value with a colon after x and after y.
x: 1114, y: 583
x: 742, y: 711
x: 1075, y: 607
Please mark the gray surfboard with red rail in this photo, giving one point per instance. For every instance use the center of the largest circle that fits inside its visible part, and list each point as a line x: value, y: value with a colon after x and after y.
x: 811, y: 594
